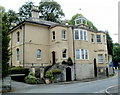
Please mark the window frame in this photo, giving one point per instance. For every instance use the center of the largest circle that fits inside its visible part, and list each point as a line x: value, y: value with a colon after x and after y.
x: 38, y: 51
x: 92, y: 38
x: 63, y: 34
x: 53, y: 35
x: 100, y: 59
x: 76, y: 30
x: 98, y: 39
x: 17, y: 54
x: 64, y: 53
x: 77, y: 54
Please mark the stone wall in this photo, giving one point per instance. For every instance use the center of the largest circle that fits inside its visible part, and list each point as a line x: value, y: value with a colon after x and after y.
x: 84, y: 71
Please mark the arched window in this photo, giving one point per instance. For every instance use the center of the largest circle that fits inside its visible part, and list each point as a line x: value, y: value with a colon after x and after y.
x: 17, y: 54
x: 64, y: 53
x: 38, y: 53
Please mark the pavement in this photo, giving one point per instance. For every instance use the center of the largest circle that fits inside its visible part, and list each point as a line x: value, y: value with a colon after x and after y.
x: 17, y: 86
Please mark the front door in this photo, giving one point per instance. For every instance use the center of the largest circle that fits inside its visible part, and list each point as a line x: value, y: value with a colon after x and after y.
x: 68, y: 74
x: 53, y: 57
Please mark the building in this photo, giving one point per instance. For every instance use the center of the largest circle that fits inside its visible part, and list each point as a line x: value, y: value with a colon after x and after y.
x: 40, y: 43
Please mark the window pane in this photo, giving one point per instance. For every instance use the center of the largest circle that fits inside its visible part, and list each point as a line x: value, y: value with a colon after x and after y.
x: 38, y: 53
x: 17, y: 54
x: 85, y: 35
x: 64, y: 53
x: 81, y: 34
x: 100, y: 58
x: 63, y: 34
x: 77, y: 54
x: 98, y: 38
x: 18, y: 36
x: 92, y: 37
x: 76, y: 34
x: 86, y: 54
x: 82, y: 52
x: 53, y: 35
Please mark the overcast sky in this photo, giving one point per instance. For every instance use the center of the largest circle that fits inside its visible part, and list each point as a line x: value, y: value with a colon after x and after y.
x: 103, y: 13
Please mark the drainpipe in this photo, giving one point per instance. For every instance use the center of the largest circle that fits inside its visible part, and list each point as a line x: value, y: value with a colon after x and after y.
x: 74, y: 52
x: 11, y: 48
x: 23, y: 44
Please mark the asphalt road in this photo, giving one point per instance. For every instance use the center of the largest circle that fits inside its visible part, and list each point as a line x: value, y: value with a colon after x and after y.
x: 97, y: 86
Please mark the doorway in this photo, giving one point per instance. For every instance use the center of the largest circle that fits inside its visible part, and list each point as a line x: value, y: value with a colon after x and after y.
x: 53, y: 57
x: 68, y: 74
x: 95, y: 68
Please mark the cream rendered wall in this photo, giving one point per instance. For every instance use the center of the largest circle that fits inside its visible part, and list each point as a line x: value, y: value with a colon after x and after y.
x: 36, y: 37
x: 59, y: 44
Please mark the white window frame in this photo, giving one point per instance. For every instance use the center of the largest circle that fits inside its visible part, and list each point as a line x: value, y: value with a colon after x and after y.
x: 81, y: 35
x: 76, y: 55
x: 93, y: 38
x: 100, y: 58
x: 64, y: 53
x: 85, y: 36
x: 76, y: 30
x: 98, y: 38
x: 38, y: 56
x: 63, y: 34
x: 53, y: 35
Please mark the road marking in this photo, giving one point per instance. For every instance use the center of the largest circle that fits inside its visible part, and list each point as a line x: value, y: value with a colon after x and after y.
x: 109, y: 88
x: 102, y: 91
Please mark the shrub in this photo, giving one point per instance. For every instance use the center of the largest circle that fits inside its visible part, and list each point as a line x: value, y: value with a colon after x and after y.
x: 56, y: 71
x: 64, y: 62
x: 49, y: 75
x: 69, y: 61
x: 19, y: 70
x: 31, y: 79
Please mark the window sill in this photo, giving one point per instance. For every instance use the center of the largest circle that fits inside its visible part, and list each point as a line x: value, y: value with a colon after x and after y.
x: 100, y: 63
x: 64, y: 58
x: 38, y: 58
x: 99, y: 42
x: 64, y: 39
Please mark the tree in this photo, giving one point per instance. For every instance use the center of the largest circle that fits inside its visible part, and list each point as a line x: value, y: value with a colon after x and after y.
x: 51, y: 11
x: 116, y: 54
x: 109, y: 44
x: 25, y: 11
x: 5, y: 42
x: 12, y: 17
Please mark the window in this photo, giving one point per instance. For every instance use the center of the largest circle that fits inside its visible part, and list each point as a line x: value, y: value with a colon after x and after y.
x: 104, y: 40
x: 81, y: 35
x: 86, y: 54
x: 85, y: 35
x: 64, y: 53
x: 82, y: 53
x: 92, y: 37
x: 63, y: 34
x: 76, y: 35
x: 105, y: 57
x: 38, y: 53
x: 17, y: 52
x: 53, y: 35
x: 98, y: 38
x: 18, y: 36
x: 100, y: 58
x: 77, y: 54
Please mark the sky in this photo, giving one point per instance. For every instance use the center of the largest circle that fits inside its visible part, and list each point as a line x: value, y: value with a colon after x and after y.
x: 103, y: 13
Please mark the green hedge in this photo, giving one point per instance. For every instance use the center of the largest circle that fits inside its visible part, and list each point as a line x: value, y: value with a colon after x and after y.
x: 19, y: 70
x: 56, y: 71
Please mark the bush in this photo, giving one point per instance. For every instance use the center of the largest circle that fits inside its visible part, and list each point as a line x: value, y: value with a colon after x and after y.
x: 56, y: 71
x: 49, y: 75
x: 69, y: 61
x: 19, y: 70
x: 31, y: 79
x: 64, y: 62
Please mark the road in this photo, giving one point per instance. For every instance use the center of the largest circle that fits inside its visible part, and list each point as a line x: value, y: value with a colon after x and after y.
x: 97, y: 86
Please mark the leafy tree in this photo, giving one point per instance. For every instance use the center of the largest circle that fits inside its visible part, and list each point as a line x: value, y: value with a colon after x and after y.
x: 5, y: 43
x: 25, y: 11
x: 109, y: 44
x: 51, y: 11
x: 12, y: 17
x: 116, y: 54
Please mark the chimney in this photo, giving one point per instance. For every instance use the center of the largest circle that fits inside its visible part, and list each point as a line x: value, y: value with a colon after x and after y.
x: 35, y: 13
